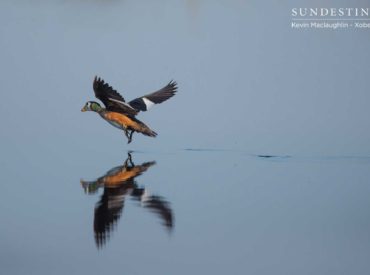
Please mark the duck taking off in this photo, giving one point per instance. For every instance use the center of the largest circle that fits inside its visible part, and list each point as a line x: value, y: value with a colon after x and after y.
x: 121, y: 114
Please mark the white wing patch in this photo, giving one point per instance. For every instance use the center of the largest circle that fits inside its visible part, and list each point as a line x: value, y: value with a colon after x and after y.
x: 144, y: 197
x: 148, y: 103
x: 119, y: 101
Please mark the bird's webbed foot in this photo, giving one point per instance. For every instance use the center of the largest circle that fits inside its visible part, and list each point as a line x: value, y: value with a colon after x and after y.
x: 129, y: 162
x: 130, y: 136
x: 127, y: 134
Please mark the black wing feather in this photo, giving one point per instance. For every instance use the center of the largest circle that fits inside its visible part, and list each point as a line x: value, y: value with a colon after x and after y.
x: 142, y: 104
x: 107, y: 213
x: 158, y: 205
x: 112, y: 100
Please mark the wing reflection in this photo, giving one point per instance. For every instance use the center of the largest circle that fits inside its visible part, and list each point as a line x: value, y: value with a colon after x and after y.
x: 118, y: 183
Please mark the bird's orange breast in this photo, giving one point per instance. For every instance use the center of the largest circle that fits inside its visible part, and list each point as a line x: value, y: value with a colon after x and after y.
x: 122, y: 176
x: 120, y: 119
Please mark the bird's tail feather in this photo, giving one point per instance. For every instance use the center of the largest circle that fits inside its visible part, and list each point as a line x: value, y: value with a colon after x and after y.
x: 145, y: 130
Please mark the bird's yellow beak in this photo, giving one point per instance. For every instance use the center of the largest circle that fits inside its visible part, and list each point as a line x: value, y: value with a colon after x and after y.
x: 84, y: 109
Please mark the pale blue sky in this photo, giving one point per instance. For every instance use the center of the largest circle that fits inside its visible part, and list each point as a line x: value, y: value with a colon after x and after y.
x: 247, y: 81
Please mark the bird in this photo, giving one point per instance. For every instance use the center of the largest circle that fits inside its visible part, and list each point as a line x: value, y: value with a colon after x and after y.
x: 121, y: 114
x: 118, y: 184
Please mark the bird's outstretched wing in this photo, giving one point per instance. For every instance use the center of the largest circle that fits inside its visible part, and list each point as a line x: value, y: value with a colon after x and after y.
x: 112, y: 100
x: 161, y: 207
x: 145, y: 102
x: 107, y: 213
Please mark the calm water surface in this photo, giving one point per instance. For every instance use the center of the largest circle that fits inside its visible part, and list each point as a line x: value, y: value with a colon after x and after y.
x: 175, y: 212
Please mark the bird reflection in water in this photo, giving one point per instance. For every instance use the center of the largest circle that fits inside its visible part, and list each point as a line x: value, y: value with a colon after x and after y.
x: 119, y: 183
